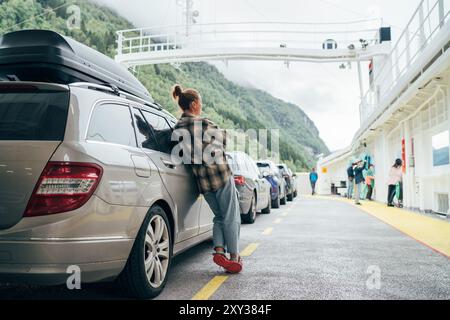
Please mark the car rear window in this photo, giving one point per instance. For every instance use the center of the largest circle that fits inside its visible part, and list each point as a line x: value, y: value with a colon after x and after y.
x: 37, y: 115
x: 263, y: 167
x: 231, y: 159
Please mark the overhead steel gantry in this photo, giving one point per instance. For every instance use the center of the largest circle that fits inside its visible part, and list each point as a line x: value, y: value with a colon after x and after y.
x: 311, y: 42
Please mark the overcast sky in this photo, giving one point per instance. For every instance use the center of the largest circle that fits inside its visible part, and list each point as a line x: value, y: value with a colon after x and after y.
x: 329, y: 95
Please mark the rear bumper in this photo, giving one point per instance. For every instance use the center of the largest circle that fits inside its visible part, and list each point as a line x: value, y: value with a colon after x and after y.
x: 46, y: 262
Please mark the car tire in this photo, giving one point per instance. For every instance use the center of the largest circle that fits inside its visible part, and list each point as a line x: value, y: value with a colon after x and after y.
x: 276, y: 202
x: 250, y: 217
x: 152, y: 249
x: 290, y: 197
x: 267, y: 210
x: 295, y: 194
x: 283, y: 201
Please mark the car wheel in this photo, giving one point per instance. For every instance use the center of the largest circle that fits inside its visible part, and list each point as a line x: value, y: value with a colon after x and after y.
x: 148, y: 265
x: 283, y: 201
x: 276, y: 202
x: 250, y: 217
x: 295, y: 194
x: 290, y: 197
x: 267, y: 210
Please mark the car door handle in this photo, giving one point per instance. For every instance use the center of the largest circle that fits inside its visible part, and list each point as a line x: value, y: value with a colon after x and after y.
x: 169, y: 164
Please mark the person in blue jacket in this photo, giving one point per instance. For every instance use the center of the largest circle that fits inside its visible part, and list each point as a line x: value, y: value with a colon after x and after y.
x: 351, y: 180
x: 359, y: 180
x: 313, y: 178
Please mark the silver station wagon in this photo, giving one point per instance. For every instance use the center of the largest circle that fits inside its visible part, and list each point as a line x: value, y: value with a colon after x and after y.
x: 87, y: 180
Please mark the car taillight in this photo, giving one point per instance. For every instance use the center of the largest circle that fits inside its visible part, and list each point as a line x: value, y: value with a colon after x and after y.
x: 239, y: 180
x: 62, y: 187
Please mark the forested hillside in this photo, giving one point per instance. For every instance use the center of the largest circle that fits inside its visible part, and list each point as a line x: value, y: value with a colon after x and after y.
x: 226, y: 103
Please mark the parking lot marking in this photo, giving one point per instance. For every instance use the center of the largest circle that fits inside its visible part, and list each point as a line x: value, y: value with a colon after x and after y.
x: 278, y: 221
x: 268, y: 231
x: 208, y: 290
x: 285, y: 214
x: 250, y: 249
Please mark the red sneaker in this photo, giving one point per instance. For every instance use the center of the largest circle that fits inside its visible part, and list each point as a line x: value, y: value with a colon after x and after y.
x: 229, y: 265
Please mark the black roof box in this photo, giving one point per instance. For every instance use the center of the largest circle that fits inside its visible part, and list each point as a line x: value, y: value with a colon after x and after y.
x: 47, y: 56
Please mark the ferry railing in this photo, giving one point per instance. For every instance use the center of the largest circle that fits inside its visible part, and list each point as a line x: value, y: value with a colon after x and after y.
x: 428, y: 19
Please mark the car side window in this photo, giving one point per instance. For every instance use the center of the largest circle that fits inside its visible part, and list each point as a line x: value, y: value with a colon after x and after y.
x: 144, y: 133
x: 161, y: 130
x: 112, y: 123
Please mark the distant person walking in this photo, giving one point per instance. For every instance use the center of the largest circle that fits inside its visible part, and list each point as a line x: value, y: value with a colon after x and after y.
x: 351, y: 181
x: 313, y: 178
x: 359, y: 180
x: 395, y: 178
x: 370, y: 181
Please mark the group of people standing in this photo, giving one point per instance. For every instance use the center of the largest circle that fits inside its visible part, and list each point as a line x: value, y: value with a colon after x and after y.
x: 360, y: 175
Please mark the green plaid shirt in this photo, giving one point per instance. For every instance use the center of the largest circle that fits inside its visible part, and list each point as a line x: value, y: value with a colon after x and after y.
x: 211, y: 175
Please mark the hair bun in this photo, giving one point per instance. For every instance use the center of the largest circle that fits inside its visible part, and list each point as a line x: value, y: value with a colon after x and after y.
x: 177, y: 91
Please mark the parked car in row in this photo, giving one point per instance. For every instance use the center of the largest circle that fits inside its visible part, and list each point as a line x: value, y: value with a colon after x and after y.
x: 278, y: 185
x: 290, y: 181
x: 253, y: 188
x: 86, y: 177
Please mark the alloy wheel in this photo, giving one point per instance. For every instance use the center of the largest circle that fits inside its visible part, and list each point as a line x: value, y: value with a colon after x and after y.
x: 156, y: 251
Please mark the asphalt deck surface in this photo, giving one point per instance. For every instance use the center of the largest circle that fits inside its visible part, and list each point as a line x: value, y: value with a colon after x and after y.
x: 318, y: 249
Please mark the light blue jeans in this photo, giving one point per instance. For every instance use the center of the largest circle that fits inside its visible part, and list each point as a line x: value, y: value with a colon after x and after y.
x: 358, y: 190
x: 350, y: 187
x: 224, y: 204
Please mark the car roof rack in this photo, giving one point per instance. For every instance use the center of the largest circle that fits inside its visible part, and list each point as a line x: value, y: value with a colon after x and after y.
x: 112, y: 89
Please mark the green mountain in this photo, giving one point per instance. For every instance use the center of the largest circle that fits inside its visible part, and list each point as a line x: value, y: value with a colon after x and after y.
x: 229, y: 105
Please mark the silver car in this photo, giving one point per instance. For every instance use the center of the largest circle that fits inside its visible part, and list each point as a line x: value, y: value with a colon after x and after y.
x: 253, y: 189
x: 87, y: 183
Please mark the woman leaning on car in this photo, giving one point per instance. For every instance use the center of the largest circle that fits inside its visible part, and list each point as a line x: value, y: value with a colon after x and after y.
x: 215, y: 180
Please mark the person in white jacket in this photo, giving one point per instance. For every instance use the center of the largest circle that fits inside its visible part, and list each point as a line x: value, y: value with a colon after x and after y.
x: 395, y: 176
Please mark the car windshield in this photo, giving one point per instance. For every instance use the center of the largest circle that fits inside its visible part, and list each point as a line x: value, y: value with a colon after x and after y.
x: 264, y: 167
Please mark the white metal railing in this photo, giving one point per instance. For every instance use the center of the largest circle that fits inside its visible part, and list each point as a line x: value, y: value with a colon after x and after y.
x: 428, y: 19
x: 246, y: 34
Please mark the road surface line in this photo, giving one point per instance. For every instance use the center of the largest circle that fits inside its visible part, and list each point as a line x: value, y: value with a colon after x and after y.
x: 250, y: 249
x: 285, y: 214
x: 278, y: 221
x: 210, y: 288
x: 268, y: 232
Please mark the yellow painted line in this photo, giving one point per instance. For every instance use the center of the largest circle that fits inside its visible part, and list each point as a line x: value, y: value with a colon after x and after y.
x: 210, y: 288
x: 278, y: 221
x: 431, y: 232
x: 249, y: 250
x: 268, y: 231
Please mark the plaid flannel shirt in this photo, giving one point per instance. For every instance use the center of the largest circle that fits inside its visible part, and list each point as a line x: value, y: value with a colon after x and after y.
x: 211, y: 175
